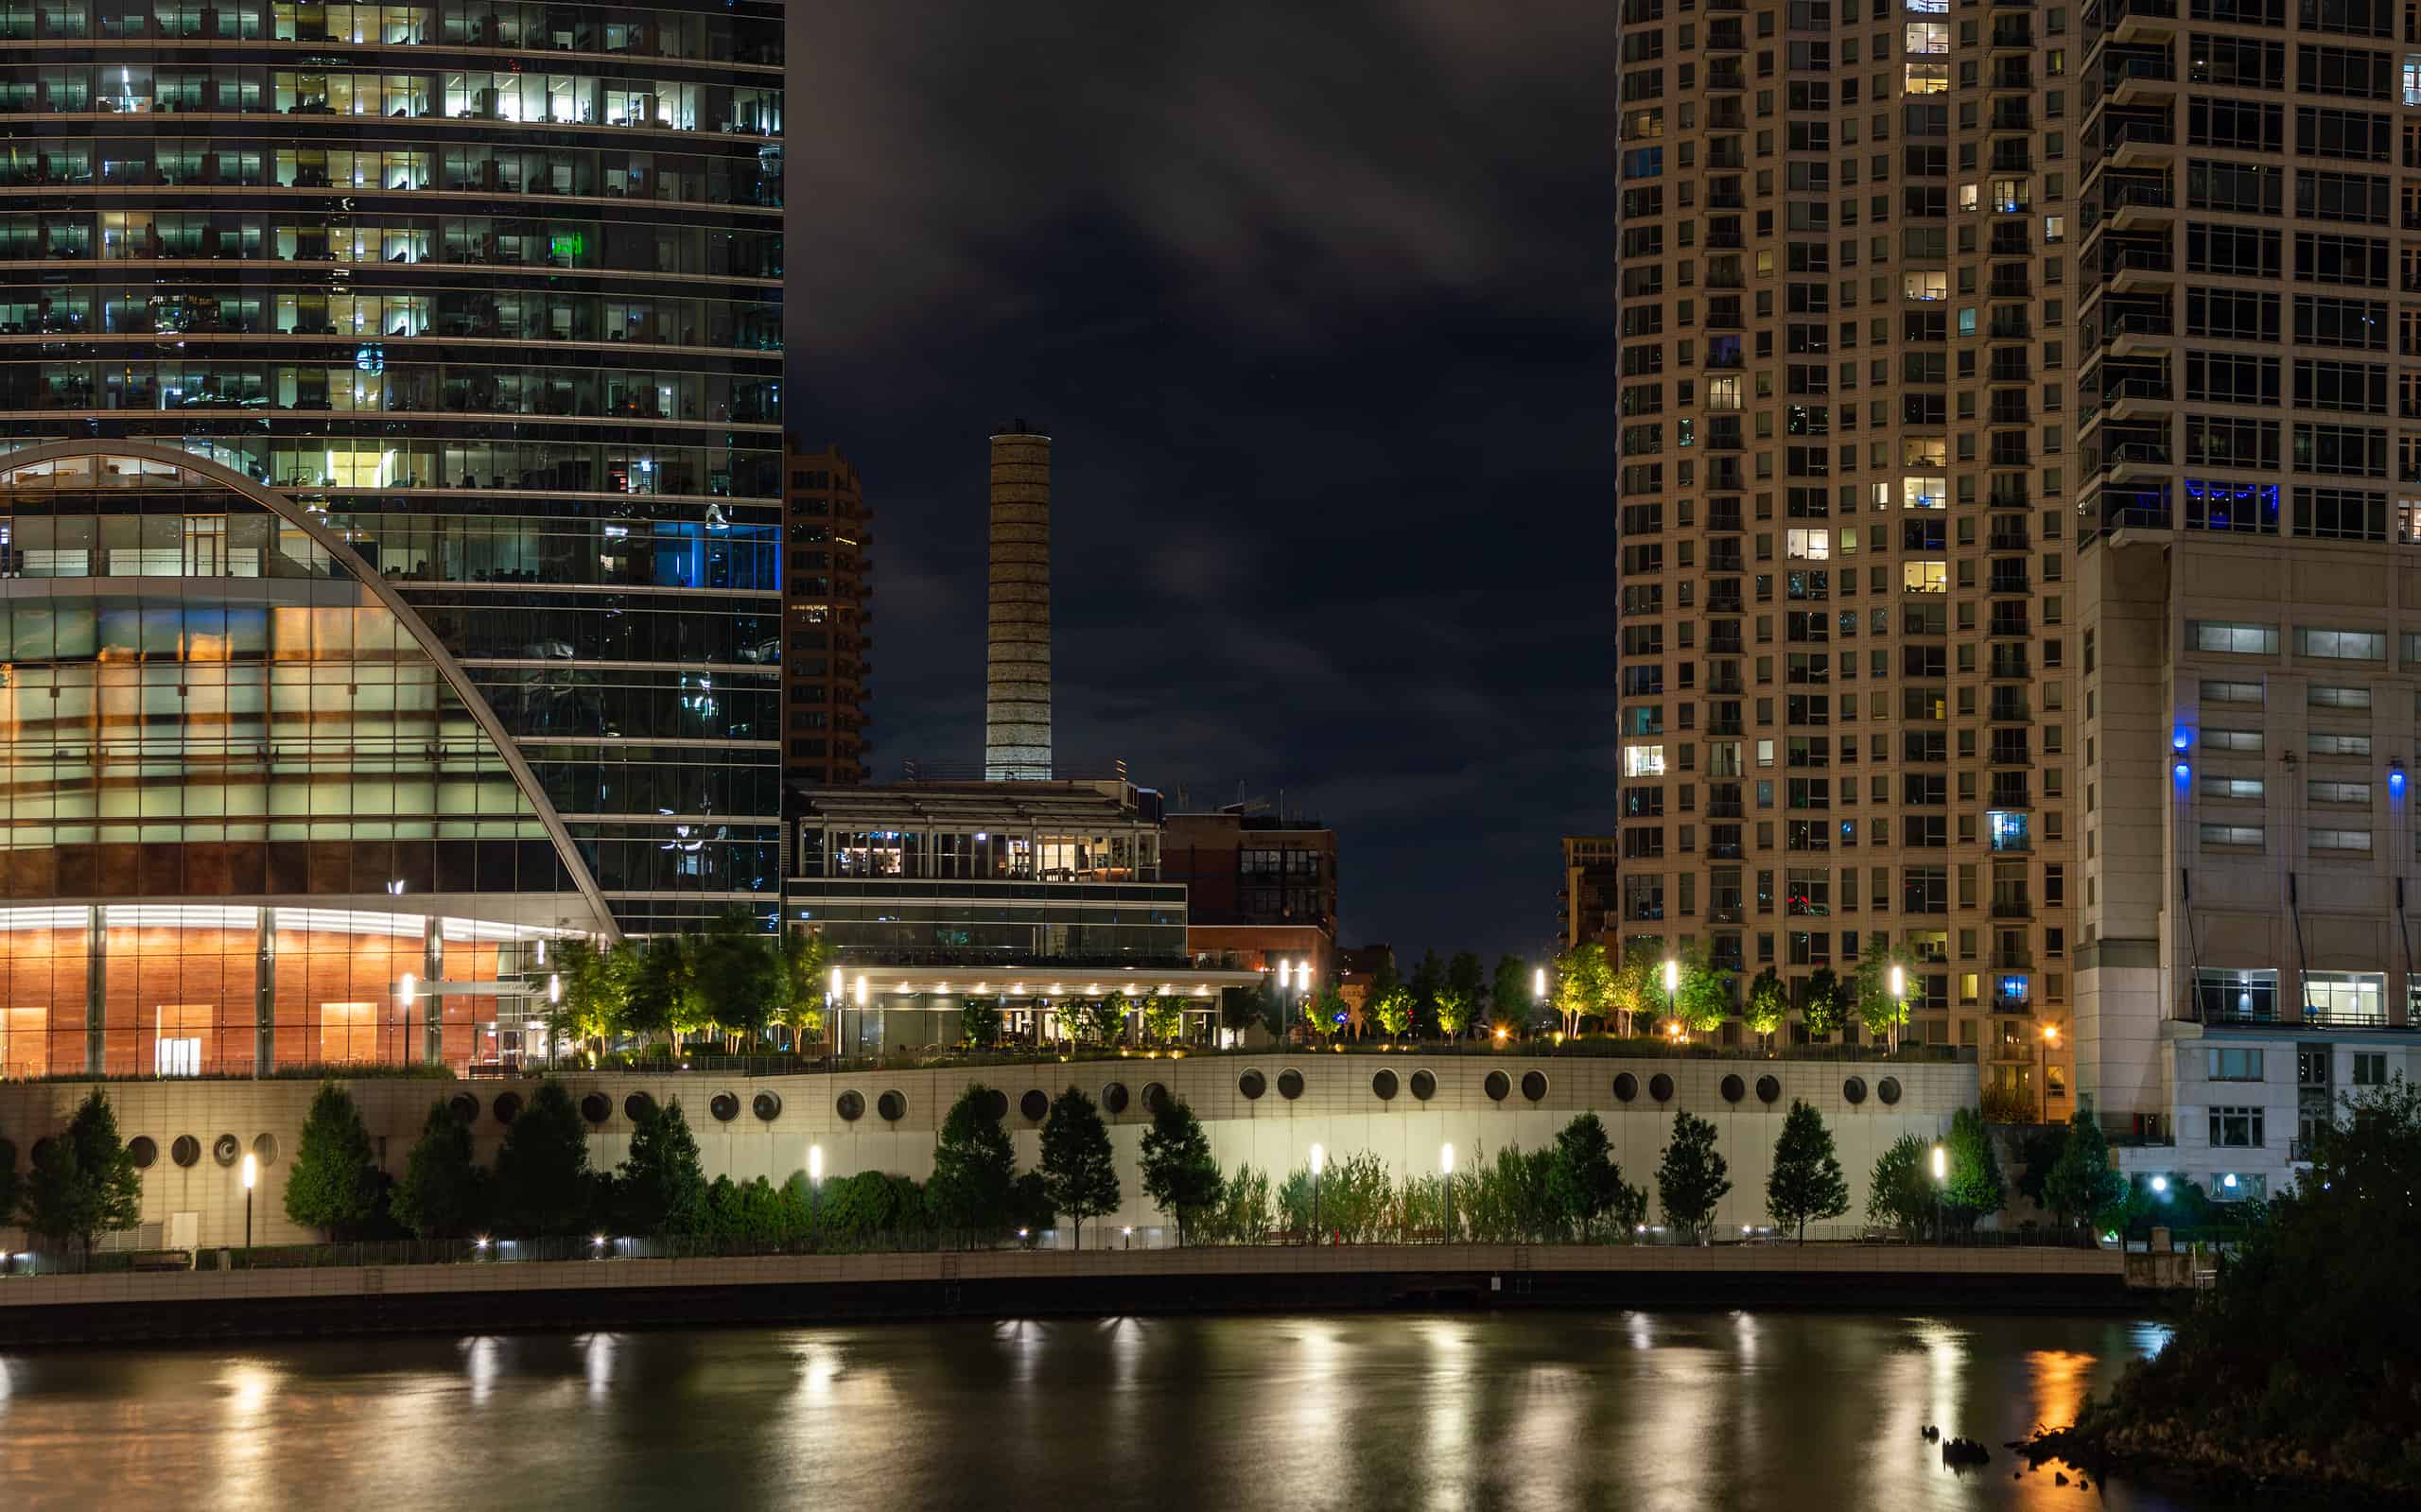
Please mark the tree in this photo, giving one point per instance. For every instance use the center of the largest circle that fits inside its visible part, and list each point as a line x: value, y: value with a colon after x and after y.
x: 1883, y: 1013
x: 804, y: 960
x: 1583, y: 985
x: 1164, y: 1019
x: 1973, y: 1187
x: 1077, y: 1168
x: 974, y: 1169
x: 1706, y: 998
x: 1466, y: 979
x: 1692, y: 1177
x: 1030, y: 1210
x: 660, y: 1188
x: 334, y: 1183
x: 2039, y: 1148
x: 1392, y: 1011
x: 741, y: 981
x: 2083, y: 1184
x: 1427, y: 979
x: 1454, y: 1011
x: 663, y: 997
x: 1823, y: 1007
x: 1901, y: 1189
x: 1100, y: 1022
x: 11, y: 1185
x: 83, y: 1182
x: 1634, y: 990
x: 1806, y: 1180
x: 1586, y: 1182
x: 1178, y: 1173
x: 1508, y: 992
x: 596, y: 992
x: 542, y: 1184
x: 1769, y: 1005
x: 1327, y: 1010
x: 441, y: 1193
x: 979, y: 1023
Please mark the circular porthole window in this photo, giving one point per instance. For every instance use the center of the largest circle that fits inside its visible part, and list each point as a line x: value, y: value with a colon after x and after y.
x: 1498, y: 1086
x: 466, y: 1106
x: 1768, y: 1089
x: 265, y: 1149
x: 1290, y: 1084
x: 724, y: 1106
x: 1383, y: 1086
x: 1889, y: 1090
x: 1626, y: 1087
x: 184, y: 1150
x: 507, y: 1106
x: 1154, y: 1095
x: 225, y: 1149
x: 1252, y: 1084
x: 996, y: 1104
x: 1533, y: 1085
x: 1855, y: 1090
x: 638, y: 1105
x: 1034, y: 1105
x: 850, y: 1105
x: 596, y: 1107
x: 143, y: 1151
x: 1424, y: 1085
x: 891, y: 1105
x: 1733, y: 1090
x: 1660, y: 1086
x: 1113, y: 1097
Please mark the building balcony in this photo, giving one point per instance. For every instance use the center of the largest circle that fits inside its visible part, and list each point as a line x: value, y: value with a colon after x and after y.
x: 2228, y: 1016
x: 2134, y: 22
x: 2012, y: 908
x: 2135, y: 462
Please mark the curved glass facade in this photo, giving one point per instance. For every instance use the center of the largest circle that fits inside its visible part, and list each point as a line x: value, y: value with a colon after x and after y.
x: 492, y: 289
x: 224, y: 757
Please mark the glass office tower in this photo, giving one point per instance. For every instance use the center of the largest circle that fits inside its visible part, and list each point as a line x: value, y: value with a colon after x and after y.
x: 492, y: 292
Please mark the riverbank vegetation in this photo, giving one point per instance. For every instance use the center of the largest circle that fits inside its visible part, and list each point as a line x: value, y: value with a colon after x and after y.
x: 2303, y: 1363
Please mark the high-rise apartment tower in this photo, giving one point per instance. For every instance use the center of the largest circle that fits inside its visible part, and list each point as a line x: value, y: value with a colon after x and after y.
x: 1849, y: 328
x: 828, y: 575
x: 1017, y: 646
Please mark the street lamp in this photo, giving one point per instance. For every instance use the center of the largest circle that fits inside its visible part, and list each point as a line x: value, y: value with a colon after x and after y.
x: 1539, y: 984
x: 862, y: 1005
x: 2044, y: 1047
x: 1319, y: 1160
x: 1940, y: 1176
x: 251, y: 1175
x: 1899, y: 1001
x: 1673, y: 993
x: 1446, y: 1169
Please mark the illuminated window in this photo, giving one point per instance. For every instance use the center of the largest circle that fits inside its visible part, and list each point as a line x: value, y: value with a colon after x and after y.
x: 1925, y: 492
x: 1926, y: 78
x: 1925, y: 576
x: 1643, y: 760
x: 1813, y: 545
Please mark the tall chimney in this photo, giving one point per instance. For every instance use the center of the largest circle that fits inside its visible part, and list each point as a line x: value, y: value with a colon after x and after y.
x: 1017, y: 654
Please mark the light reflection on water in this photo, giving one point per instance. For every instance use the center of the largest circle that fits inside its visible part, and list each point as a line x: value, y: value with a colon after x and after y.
x: 1546, y: 1410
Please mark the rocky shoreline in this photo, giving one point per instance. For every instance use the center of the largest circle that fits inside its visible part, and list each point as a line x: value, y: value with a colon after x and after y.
x: 2173, y: 1448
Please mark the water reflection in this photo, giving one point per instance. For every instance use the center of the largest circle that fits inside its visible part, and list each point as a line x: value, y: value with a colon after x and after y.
x: 1650, y: 1410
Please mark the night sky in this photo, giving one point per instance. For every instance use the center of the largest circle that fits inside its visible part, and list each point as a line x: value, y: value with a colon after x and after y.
x: 1315, y: 301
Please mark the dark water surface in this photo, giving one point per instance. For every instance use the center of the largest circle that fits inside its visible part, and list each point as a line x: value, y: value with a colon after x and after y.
x: 1549, y: 1410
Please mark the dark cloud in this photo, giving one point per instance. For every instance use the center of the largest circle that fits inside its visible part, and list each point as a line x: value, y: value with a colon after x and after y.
x: 1314, y: 300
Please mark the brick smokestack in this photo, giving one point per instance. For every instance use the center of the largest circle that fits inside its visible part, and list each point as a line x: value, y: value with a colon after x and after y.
x: 1017, y: 654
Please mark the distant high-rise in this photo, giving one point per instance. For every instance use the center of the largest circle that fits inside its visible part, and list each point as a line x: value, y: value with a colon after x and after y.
x: 828, y: 552
x: 1017, y: 669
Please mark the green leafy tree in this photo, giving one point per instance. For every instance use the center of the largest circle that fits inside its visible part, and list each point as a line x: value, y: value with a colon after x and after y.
x: 974, y: 1169
x: 979, y: 1023
x: 664, y: 996
x: 2083, y: 1185
x: 1178, y: 1173
x: 1824, y: 1007
x: 1583, y: 985
x: 1635, y: 991
x: 83, y: 1183
x: 1974, y: 1189
x: 2039, y: 1149
x: 1768, y: 1006
x: 1246, y: 1214
x: 1806, y: 1180
x: 660, y: 1188
x: 1327, y: 1010
x: 1901, y: 1189
x: 1076, y: 1166
x: 1508, y: 994
x: 334, y: 1183
x: 1029, y: 1210
x: 542, y: 1184
x: 739, y: 974
x: 1466, y: 980
x: 1164, y: 1019
x: 443, y: 1192
x: 1454, y: 1011
x: 1392, y: 1011
x: 1587, y: 1183
x: 1692, y: 1177
x: 1104, y: 1020
x: 806, y: 962
x: 1705, y: 998
x: 595, y: 1000
x: 1428, y: 978
x: 1883, y: 1013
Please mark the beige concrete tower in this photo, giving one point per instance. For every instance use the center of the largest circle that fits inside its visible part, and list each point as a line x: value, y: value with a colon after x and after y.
x: 1017, y: 655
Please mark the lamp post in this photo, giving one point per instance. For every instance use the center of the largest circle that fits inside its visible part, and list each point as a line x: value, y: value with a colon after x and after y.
x: 1319, y: 1159
x: 1899, y: 1001
x: 1673, y: 990
x: 1446, y: 1169
x: 862, y: 1005
x: 2043, y: 1068
x: 833, y: 998
x: 251, y: 1175
x: 1940, y: 1176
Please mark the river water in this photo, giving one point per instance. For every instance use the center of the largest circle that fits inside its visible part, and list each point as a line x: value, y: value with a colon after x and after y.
x: 1652, y: 1410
